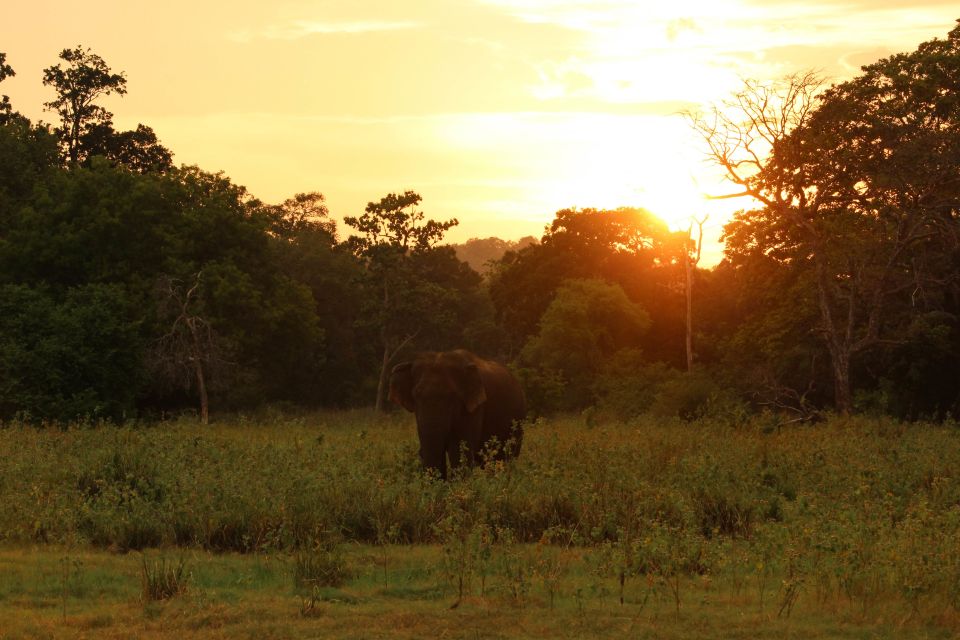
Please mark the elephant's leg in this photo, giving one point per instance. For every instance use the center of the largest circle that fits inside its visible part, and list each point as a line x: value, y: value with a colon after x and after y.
x: 467, y: 439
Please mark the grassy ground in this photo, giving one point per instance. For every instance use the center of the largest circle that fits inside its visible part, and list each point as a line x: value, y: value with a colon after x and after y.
x: 60, y: 593
x: 324, y: 526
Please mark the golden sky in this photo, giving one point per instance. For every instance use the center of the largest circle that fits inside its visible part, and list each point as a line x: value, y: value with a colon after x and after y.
x: 498, y: 112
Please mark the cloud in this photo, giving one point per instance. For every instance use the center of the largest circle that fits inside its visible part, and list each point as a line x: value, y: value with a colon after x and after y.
x: 861, y: 5
x: 686, y: 49
x: 304, y: 28
x: 675, y: 28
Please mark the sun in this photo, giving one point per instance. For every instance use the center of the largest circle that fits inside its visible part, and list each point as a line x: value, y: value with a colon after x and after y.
x: 593, y: 160
x: 676, y: 200
x: 609, y: 162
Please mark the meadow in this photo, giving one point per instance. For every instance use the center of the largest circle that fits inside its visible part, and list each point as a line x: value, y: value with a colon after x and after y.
x: 323, y: 525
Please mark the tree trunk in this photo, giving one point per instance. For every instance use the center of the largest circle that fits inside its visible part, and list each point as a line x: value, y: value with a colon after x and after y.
x: 383, y: 385
x: 837, y: 344
x: 202, y: 388
x: 688, y: 268
x: 843, y: 396
x: 689, y: 265
x: 198, y: 370
x: 384, y: 380
x: 381, y: 403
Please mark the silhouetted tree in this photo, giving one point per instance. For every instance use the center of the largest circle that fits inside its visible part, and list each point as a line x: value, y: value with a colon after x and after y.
x: 629, y: 247
x: 302, y: 212
x: 308, y: 252
x: 79, y: 82
x: 138, y: 150
x: 6, y: 71
x: 857, y: 187
x: 28, y: 158
x: 69, y: 354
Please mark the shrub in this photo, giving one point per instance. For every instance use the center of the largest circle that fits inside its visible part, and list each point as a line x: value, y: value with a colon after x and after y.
x: 321, y: 566
x: 628, y: 385
x: 586, y: 323
x: 696, y: 395
x: 162, y: 580
x: 545, y: 389
x: 684, y: 396
x: 720, y: 513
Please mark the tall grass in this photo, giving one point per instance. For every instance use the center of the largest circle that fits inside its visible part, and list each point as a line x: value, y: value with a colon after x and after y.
x: 854, y: 508
x: 162, y: 579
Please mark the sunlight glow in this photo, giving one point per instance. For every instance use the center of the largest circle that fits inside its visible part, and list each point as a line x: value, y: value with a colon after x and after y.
x: 499, y: 112
x: 596, y: 160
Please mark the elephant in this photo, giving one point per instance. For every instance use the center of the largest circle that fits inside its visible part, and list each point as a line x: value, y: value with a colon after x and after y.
x: 462, y: 403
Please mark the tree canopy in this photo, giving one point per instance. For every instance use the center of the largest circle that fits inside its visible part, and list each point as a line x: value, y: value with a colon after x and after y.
x: 859, y: 195
x: 414, y: 286
x: 6, y: 71
x: 131, y: 287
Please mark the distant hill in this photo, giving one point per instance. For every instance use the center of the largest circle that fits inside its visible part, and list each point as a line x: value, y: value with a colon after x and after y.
x: 478, y: 252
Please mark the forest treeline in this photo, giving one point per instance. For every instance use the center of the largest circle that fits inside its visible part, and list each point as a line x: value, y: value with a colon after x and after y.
x: 131, y: 287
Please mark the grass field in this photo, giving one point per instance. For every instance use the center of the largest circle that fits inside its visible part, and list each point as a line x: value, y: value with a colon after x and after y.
x: 253, y: 596
x: 323, y: 526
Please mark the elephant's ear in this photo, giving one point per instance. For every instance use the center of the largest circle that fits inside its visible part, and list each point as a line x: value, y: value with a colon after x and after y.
x: 401, y: 385
x: 471, y: 388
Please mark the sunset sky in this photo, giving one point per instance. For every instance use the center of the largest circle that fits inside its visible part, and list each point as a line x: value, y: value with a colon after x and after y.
x: 498, y: 112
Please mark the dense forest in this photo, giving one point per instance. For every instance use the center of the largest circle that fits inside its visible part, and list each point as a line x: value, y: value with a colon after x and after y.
x: 131, y: 288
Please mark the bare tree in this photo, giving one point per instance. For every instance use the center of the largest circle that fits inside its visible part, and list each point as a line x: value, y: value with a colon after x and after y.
x: 845, y: 191
x: 743, y: 136
x: 740, y: 134
x: 190, y: 355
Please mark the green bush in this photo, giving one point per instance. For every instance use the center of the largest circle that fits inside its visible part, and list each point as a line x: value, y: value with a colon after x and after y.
x: 545, y: 389
x: 586, y: 323
x: 69, y: 356
x: 628, y: 386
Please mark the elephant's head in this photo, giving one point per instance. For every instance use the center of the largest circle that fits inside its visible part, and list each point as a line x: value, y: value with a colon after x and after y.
x: 445, y: 391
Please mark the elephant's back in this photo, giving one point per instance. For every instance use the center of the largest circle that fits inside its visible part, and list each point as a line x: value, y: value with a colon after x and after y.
x: 505, y: 403
x: 504, y: 388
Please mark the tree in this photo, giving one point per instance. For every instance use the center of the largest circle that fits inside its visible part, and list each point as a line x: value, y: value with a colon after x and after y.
x: 266, y: 316
x: 395, y: 225
x: 86, y: 225
x: 303, y: 213
x: 70, y: 354
x: 305, y: 242
x: 190, y: 354
x: 6, y: 71
x: 28, y: 157
x: 101, y: 224
x: 393, y: 232
x: 691, y: 258
x: 853, y: 187
x: 759, y: 322
x: 78, y: 85
x: 138, y: 150
x: 586, y: 323
x: 629, y: 247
